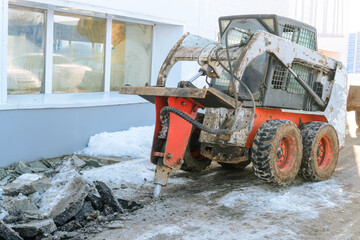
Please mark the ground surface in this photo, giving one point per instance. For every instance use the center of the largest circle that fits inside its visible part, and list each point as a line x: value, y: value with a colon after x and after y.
x: 222, y: 204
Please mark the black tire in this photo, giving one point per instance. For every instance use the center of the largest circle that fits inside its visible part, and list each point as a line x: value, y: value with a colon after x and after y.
x: 321, y: 151
x: 357, y: 118
x: 193, y: 160
x: 277, y: 151
x: 237, y: 166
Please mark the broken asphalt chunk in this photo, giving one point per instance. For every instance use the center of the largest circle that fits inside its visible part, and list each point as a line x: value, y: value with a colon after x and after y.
x: 34, y: 228
x: 96, y: 201
x: 68, y: 189
x: 8, y: 233
x: 20, y: 167
x: 27, y: 184
x: 18, y: 205
x: 130, y: 205
x: 111, y: 203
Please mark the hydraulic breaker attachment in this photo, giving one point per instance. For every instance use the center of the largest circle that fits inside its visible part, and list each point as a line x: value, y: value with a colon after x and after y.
x: 171, y: 137
x: 172, y: 133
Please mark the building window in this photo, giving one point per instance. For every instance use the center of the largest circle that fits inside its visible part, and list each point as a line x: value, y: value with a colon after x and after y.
x: 130, y: 54
x: 26, y: 47
x: 77, y: 47
x: 79, y: 53
x: 351, y: 52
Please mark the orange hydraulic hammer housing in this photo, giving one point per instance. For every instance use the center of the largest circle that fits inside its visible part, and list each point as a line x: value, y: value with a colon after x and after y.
x: 172, y: 144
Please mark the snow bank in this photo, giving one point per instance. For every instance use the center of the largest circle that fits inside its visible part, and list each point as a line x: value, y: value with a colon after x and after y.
x: 133, y: 143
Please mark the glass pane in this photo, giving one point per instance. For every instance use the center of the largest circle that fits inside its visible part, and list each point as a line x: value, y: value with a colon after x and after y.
x: 130, y: 54
x: 79, y: 49
x: 26, y: 50
x: 270, y: 23
x: 224, y: 24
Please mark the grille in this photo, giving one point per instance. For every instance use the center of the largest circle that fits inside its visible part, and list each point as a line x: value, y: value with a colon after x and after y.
x: 300, y: 36
x: 307, y: 39
x: 224, y: 79
x: 284, y: 80
x: 290, y: 33
x: 318, y: 88
x: 293, y: 86
x: 278, y: 80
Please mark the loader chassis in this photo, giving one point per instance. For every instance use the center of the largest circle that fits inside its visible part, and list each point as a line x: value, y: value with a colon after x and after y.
x: 283, y: 96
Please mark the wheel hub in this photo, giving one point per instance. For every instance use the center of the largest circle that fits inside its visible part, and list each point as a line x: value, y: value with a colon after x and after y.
x: 324, y: 153
x: 286, y: 153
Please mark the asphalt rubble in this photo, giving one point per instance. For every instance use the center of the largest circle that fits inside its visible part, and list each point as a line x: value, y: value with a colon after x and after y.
x: 51, y: 200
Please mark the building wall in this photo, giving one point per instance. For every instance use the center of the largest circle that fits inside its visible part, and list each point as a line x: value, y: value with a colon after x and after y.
x: 35, y: 133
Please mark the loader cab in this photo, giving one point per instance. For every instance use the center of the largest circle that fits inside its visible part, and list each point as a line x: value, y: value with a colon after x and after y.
x: 271, y: 84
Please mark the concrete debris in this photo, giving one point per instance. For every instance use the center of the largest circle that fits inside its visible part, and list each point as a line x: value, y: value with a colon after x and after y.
x: 96, y: 201
x: 3, y: 173
x: 73, y: 225
x: 76, y: 161
x: 87, y: 212
x: 13, y: 219
x: 42, y: 197
x: 19, y: 204
x: 27, y: 184
x: 129, y: 205
x: 20, y: 167
x: 38, y: 167
x: 68, y: 188
x: 111, y: 204
x: 35, y: 228
x: 7, y: 233
x: 9, y: 178
x: 33, y: 215
x: 92, y: 163
x: 35, y: 198
x: 69, y: 212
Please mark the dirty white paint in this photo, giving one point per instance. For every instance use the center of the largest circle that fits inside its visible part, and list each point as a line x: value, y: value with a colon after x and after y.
x: 335, y: 111
x: 215, y: 117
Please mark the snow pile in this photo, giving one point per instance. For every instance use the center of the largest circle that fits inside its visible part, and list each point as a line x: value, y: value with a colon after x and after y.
x: 133, y: 143
x: 305, y: 200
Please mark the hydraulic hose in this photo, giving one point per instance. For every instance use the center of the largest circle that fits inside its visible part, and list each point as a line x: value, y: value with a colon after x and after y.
x: 167, y: 109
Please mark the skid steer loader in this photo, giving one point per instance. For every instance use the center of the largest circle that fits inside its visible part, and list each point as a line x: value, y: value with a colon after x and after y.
x: 272, y: 100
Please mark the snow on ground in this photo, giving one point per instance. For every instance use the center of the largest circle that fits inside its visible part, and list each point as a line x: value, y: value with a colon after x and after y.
x: 133, y: 143
x: 162, y: 230
x: 304, y: 200
x: 135, y: 172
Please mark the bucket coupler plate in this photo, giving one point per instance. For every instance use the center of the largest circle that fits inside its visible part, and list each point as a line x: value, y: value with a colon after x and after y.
x: 210, y: 97
x: 353, y: 100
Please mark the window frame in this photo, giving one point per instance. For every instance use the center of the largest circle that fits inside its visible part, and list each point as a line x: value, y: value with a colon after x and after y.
x: 48, y: 99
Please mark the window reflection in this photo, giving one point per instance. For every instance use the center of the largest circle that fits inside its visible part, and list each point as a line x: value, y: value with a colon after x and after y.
x: 130, y: 54
x: 26, y: 34
x: 78, y: 61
